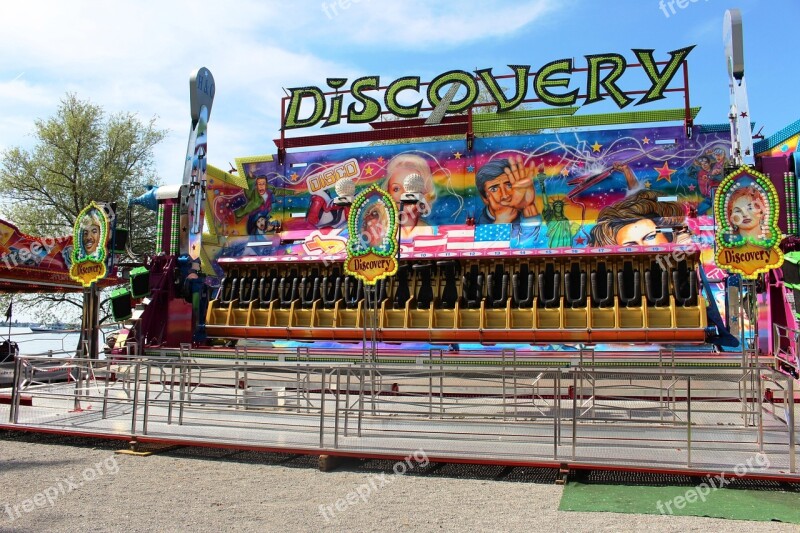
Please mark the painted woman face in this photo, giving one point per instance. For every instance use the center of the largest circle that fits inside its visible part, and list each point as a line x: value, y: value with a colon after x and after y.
x: 643, y: 232
x: 91, y: 238
x: 746, y: 213
x: 373, y: 226
x: 395, y: 184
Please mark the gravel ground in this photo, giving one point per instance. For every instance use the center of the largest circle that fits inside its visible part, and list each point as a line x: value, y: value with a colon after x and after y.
x: 193, y: 489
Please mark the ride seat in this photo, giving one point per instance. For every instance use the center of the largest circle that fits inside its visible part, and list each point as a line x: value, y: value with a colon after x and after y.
x: 549, y: 287
x: 497, y: 287
x: 656, y: 284
x: 575, y: 286
x: 425, y: 292
x: 449, y: 296
x: 522, y: 287
x: 630, y: 289
x: 309, y: 289
x: 602, y: 293
x: 684, y: 283
x: 472, y: 288
x: 331, y: 289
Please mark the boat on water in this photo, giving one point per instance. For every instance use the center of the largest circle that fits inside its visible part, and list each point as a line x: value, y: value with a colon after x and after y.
x: 54, y: 328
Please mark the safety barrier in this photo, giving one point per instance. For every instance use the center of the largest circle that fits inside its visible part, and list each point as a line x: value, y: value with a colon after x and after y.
x: 644, y: 418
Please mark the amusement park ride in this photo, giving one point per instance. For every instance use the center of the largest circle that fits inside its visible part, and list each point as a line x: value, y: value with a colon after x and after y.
x: 532, y: 229
x: 599, y: 238
x: 547, y: 242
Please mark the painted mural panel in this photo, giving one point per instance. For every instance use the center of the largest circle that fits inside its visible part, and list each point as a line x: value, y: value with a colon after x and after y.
x: 550, y: 192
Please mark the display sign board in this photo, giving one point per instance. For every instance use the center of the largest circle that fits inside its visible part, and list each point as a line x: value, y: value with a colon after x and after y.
x: 746, y: 207
x: 372, y: 242
x: 90, y: 248
x: 311, y: 105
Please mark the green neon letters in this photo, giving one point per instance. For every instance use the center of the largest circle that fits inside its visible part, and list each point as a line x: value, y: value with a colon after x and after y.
x: 603, y: 74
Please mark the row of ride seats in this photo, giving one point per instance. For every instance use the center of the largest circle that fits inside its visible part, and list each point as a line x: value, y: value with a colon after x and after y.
x: 290, y: 287
x: 496, y: 287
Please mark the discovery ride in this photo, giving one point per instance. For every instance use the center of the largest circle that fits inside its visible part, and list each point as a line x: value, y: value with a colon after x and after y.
x: 334, y: 297
x: 502, y: 235
x: 521, y: 220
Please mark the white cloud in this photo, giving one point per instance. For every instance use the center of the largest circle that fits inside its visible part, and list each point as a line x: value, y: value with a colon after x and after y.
x: 137, y: 57
x: 420, y: 24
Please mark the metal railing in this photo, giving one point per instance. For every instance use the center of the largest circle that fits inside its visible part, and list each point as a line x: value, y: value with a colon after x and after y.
x: 652, y: 416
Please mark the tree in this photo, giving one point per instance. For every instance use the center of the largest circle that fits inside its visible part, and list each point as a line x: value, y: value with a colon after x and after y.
x: 80, y: 155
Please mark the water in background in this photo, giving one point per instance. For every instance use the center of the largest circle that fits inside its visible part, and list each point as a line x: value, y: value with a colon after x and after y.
x: 63, y: 344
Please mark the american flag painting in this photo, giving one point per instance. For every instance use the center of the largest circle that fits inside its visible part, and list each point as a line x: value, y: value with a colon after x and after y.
x: 492, y: 236
x: 430, y: 243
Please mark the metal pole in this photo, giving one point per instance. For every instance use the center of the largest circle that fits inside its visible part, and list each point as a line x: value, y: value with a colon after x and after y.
x: 688, y: 421
x: 514, y: 359
x: 15, y: 393
x: 555, y: 421
x: 236, y: 382
x: 441, y: 383
x: 336, y: 411
x: 105, y: 389
x: 790, y: 423
x: 430, y: 389
x: 503, y: 379
x: 360, y: 398
x: 135, y: 399
x: 181, y: 392
x: 574, y: 410
x: 375, y: 323
x: 760, y: 414
x: 78, y: 381
x: 322, y: 414
x: 558, y: 403
x: 171, y: 393
x: 347, y: 402
x: 146, y: 398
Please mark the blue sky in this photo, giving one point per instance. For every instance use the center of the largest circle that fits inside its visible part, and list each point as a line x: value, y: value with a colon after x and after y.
x: 137, y: 56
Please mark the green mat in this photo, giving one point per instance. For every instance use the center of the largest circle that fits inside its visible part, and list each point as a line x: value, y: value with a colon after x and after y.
x: 733, y: 504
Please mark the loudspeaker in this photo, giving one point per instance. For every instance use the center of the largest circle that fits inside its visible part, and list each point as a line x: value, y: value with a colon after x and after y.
x: 140, y: 282
x: 121, y: 304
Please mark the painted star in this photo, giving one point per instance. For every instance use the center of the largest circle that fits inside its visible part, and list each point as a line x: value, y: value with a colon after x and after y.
x: 457, y: 155
x: 646, y: 141
x: 470, y: 168
x: 665, y: 173
x: 580, y: 240
x: 596, y: 146
x: 692, y: 187
x: 565, y: 171
x: 647, y: 184
x: 293, y: 176
x: 380, y: 159
x: 744, y: 114
x: 368, y: 171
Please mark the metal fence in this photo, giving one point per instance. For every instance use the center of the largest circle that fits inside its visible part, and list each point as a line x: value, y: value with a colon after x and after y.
x: 659, y: 417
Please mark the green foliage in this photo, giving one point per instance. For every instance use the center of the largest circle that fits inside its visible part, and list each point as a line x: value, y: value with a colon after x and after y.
x: 80, y: 155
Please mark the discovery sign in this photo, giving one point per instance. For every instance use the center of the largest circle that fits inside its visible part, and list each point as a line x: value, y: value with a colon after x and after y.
x: 550, y: 84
